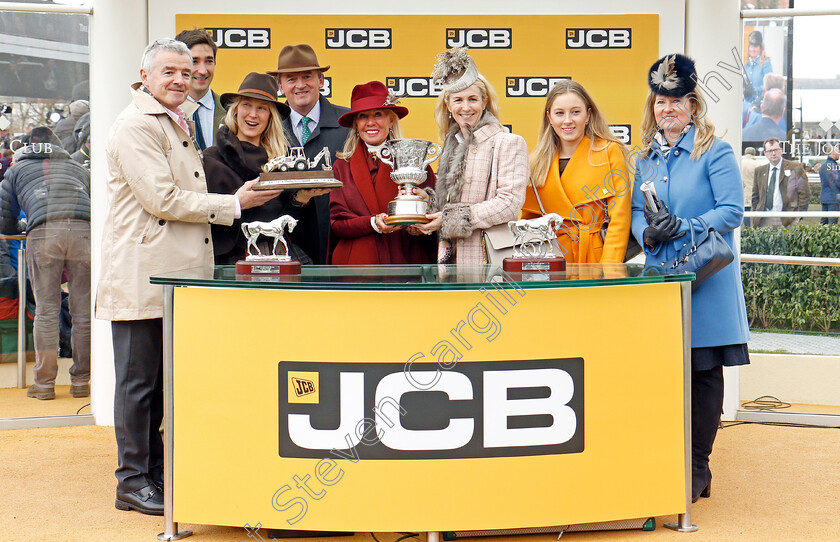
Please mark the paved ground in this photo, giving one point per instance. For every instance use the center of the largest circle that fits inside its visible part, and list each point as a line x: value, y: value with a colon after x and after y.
x: 794, y: 344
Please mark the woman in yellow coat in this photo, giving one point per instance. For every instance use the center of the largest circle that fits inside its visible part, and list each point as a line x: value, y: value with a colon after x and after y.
x: 580, y: 172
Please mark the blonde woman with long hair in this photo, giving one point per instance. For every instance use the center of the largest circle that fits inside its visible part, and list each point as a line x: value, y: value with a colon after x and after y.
x: 580, y: 173
x: 483, y: 169
x: 359, y: 234
x: 698, y: 181
x: 251, y: 135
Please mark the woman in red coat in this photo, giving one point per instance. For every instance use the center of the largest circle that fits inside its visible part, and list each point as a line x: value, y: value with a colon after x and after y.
x: 358, y: 233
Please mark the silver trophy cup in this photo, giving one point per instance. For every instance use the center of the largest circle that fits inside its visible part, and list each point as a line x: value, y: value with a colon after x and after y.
x: 408, y: 159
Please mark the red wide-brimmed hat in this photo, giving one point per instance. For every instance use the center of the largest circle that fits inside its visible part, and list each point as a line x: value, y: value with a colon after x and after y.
x: 369, y: 96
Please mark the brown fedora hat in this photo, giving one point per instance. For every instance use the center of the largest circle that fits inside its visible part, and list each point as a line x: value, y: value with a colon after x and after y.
x: 260, y: 87
x: 297, y: 58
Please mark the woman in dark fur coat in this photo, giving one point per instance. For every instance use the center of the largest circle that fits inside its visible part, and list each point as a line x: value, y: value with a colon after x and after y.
x: 252, y: 133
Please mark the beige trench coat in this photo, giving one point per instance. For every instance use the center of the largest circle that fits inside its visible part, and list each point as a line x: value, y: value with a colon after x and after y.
x: 506, y: 171
x: 159, y: 211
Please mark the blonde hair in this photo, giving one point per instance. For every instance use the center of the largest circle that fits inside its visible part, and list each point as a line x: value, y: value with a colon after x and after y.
x: 353, y: 138
x: 445, y: 120
x: 704, y: 130
x: 762, y: 57
x: 548, y: 141
x: 273, y: 140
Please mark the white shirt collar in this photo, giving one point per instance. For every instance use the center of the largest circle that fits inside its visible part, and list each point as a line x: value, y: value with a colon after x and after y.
x: 314, y: 115
x: 206, y: 100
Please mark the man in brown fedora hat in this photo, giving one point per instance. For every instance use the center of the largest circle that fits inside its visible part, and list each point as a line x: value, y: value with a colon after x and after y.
x: 313, y: 125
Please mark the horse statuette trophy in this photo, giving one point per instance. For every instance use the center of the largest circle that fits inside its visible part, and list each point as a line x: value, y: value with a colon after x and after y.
x: 408, y: 159
x: 535, y: 242
x: 257, y: 263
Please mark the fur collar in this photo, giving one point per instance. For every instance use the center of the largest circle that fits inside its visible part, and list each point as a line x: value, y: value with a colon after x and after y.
x: 242, y: 157
x: 453, y: 160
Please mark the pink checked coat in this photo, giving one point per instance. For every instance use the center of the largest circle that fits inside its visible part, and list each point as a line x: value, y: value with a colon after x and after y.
x: 505, y: 169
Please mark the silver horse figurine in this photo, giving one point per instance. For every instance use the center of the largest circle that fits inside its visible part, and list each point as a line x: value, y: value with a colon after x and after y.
x: 532, y: 238
x: 276, y: 229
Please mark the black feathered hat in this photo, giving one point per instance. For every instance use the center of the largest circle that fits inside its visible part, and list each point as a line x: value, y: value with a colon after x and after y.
x: 673, y: 76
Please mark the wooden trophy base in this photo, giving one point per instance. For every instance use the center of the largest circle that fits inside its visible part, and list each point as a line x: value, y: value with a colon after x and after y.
x: 406, y: 220
x: 267, y: 267
x: 531, y: 265
x: 297, y: 180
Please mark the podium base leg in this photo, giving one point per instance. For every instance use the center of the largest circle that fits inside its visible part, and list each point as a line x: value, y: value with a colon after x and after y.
x: 684, y: 525
x: 177, y: 536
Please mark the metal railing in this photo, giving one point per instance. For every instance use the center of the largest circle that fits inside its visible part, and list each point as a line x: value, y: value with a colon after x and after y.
x: 803, y: 418
x: 21, y: 276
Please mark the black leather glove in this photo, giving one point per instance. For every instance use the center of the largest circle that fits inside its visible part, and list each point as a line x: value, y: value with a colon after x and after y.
x: 666, y: 229
x: 656, y: 216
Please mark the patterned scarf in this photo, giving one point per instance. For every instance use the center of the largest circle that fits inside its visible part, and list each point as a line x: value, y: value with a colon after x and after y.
x: 664, y: 147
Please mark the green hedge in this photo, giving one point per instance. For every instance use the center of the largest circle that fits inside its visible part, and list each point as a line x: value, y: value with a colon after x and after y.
x: 794, y: 297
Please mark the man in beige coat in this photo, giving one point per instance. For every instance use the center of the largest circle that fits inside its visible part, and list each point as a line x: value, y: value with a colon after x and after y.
x: 159, y: 216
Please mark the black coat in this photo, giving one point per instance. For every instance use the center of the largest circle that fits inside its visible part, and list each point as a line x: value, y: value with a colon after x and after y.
x: 227, y: 166
x: 312, y: 231
x: 47, y: 185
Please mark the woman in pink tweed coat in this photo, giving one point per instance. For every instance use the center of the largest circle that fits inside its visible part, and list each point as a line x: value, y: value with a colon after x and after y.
x: 483, y: 169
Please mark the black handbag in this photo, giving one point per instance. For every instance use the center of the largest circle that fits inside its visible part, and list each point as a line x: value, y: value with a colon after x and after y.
x: 705, y: 254
x: 633, y: 246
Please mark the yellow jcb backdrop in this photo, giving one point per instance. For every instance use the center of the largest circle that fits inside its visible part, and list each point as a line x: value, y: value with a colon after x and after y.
x: 521, y: 55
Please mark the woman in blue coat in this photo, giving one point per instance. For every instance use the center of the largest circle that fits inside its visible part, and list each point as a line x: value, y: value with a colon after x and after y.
x: 695, y: 175
x: 756, y: 66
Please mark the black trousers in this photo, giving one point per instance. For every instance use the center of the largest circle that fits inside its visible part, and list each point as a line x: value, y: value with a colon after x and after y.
x: 706, y: 409
x: 138, y: 401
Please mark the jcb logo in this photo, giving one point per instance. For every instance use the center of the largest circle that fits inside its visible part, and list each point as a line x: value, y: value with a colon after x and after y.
x: 302, y: 387
x: 479, y: 38
x: 481, y: 409
x: 241, y: 38
x: 358, y: 38
x: 413, y: 87
x: 598, y: 38
x: 621, y: 132
x: 529, y: 87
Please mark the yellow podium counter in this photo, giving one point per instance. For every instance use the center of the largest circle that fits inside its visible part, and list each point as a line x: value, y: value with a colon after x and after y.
x: 426, y: 398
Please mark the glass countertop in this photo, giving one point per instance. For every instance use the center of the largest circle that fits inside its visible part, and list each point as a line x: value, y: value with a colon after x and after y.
x: 421, y: 277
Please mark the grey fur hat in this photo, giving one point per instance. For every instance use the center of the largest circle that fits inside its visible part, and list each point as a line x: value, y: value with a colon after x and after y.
x: 454, y: 70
